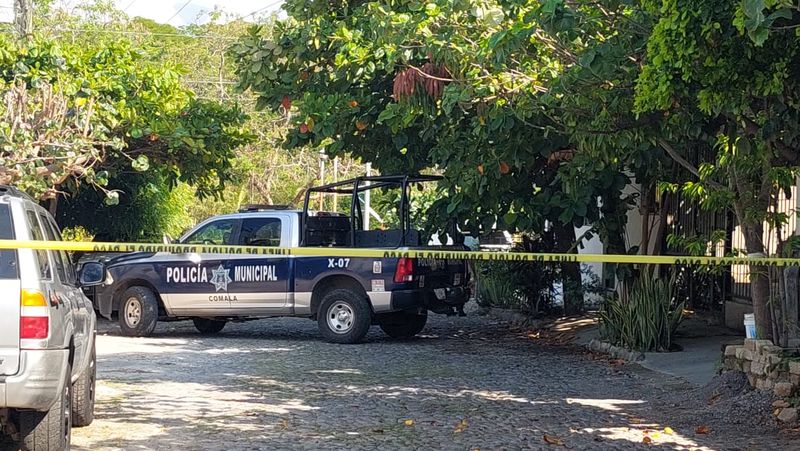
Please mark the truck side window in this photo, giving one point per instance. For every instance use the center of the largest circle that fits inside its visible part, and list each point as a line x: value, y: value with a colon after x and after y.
x: 261, y: 232
x: 217, y: 232
x: 41, y: 255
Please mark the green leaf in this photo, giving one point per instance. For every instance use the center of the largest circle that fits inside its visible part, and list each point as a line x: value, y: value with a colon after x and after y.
x: 753, y: 9
x: 112, y: 198
x: 141, y: 163
x: 101, y: 178
x: 494, y: 17
x: 759, y: 35
x: 432, y: 9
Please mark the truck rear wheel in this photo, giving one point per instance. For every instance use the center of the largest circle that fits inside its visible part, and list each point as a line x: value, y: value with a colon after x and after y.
x: 344, y: 316
x: 403, y: 324
x: 51, y: 430
x: 138, y: 312
x: 208, y: 326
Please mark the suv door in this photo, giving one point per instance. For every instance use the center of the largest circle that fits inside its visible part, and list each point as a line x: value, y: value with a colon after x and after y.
x: 68, y: 289
x: 260, y: 282
x: 10, y: 300
x: 197, y: 284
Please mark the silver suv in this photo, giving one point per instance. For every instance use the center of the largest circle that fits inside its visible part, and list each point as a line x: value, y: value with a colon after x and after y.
x: 47, y: 335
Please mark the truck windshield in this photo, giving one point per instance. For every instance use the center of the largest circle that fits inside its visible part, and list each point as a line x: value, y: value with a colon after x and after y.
x: 8, y: 257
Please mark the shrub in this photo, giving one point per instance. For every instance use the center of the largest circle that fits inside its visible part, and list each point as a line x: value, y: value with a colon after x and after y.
x: 524, y: 286
x: 643, y: 317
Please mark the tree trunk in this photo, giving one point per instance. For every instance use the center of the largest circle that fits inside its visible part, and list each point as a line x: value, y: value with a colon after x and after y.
x: 571, y: 284
x: 645, y: 208
x: 759, y: 280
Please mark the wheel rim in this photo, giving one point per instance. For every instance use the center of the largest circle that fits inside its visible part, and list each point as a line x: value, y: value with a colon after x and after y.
x: 340, y: 317
x: 133, y: 312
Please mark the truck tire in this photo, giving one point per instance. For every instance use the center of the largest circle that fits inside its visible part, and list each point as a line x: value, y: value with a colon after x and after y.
x: 208, y: 326
x: 138, y: 312
x: 83, y: 393
x: 403, y: 324
x: 344, y: 316
x: 51, y: 430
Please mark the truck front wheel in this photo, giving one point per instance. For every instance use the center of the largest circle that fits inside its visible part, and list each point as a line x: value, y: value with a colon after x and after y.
x: 403, y: 324
x: 138, y: 312
x: 344, y: 316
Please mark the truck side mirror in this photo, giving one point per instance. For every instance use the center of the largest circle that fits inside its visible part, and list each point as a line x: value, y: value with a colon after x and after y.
x: 91, y: 274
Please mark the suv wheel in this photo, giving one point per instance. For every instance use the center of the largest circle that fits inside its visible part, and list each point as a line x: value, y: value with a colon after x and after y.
x: 138, y: 312
x: 83, y: 393
x: 208, y: 326
x: 403, y: 324
x: 51, y: 430
x: 344, y: 316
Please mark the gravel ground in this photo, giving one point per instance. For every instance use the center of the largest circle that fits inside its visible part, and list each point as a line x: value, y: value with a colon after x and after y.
x: 466, y: 383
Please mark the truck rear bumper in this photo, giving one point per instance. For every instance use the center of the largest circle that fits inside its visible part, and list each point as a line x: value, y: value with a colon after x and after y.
x: 39, y: 382
x: 411, y: 299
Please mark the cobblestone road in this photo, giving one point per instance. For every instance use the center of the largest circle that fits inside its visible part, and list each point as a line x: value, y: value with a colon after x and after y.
x: 468, y: 383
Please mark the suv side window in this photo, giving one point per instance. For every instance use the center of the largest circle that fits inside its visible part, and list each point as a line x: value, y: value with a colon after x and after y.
x: 261, y: 232
x: 217, y: 232
x: 60, y: 258
x: 41, y: 255
x: 8, y: 257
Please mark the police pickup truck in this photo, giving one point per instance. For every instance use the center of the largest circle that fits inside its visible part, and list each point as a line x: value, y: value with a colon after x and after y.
x: 344, y: 295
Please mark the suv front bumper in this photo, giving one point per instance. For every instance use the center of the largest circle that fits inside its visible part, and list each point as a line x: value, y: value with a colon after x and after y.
x: 39, y: 382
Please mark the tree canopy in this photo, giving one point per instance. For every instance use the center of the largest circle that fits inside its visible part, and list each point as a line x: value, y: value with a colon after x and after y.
x: 542, y: 112
x: 82, y: 113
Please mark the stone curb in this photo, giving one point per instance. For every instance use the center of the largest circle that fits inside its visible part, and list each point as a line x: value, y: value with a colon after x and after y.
x: 615, y: 351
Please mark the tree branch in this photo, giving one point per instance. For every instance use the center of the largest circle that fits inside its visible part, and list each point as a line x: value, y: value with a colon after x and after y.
x: 686, y: 165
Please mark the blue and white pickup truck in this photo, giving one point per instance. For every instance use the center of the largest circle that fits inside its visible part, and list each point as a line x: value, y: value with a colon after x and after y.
x: 344, y: 295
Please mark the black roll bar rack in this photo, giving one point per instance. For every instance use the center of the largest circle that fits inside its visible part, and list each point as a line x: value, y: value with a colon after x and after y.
x: 361, y: 184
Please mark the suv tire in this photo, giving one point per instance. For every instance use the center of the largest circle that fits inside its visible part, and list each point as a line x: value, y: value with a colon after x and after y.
x: 403, y: 324
x: 83, y: 393
x: 208, y: 326
x: 344, y: 316
x: 138, y: 312
x: 51, y: 430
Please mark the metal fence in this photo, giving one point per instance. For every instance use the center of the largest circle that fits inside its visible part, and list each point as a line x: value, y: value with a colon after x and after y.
x: 709, y: 288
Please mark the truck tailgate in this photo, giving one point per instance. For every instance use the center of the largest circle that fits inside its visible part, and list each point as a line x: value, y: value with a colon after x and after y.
x: 9, y: 327
x: 441, y: 273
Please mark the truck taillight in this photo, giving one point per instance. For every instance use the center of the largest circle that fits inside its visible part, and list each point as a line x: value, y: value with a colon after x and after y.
x: 34, y: 320
x: 35, y: 327
x: 405, y: 270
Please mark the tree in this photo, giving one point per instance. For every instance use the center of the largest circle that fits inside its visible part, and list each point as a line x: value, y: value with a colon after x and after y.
x: 84, y: 113
x: 725, y: 82
x: 521, y: 106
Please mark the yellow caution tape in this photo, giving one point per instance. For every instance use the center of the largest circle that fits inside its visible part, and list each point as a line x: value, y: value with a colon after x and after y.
x: 394, y: 253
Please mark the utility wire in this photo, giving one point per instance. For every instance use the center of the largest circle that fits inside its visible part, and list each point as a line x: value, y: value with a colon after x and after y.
x: 129, y: 5
x: 179, y: 10
x: 262, y: 9
x: 143, y: 33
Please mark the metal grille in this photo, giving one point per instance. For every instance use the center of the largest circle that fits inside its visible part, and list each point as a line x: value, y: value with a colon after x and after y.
x: 740, y: 274
x: 705, y: 287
